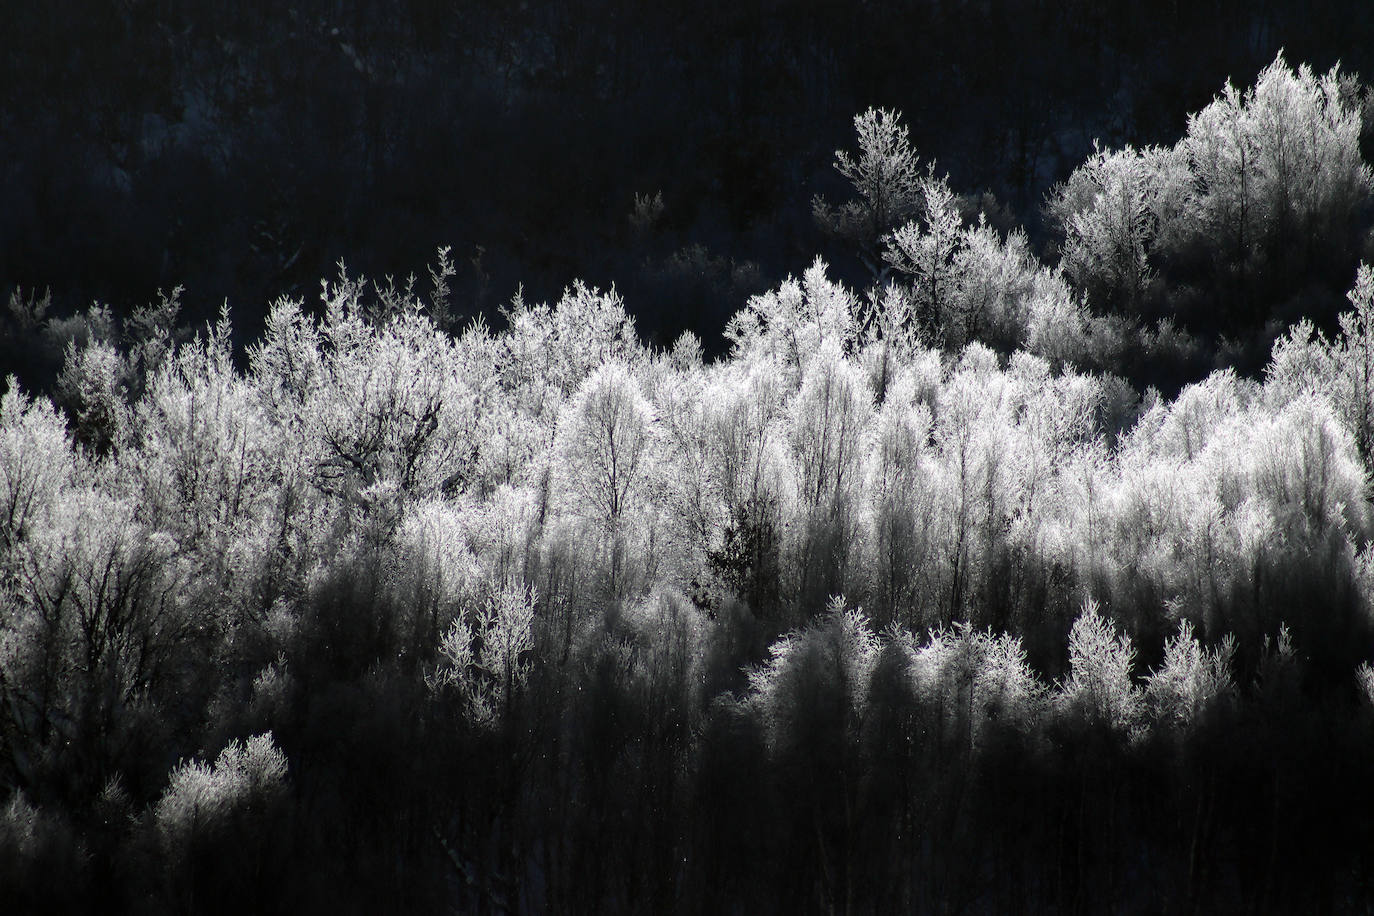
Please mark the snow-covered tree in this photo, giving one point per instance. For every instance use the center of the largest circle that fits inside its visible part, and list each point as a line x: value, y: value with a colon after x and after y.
x: 486, y: 655
x: 899, y: 513
x: 811, y: 695
x: 788, y: 326
x: 555, y: 347
x: 1099, y: 690
x: 927, y: 252
x: 206, y: 464
x: 1105, y: 213
x: 829, y: 416
x: 93, y: 388
x: 607, y: 442
x: 1191, y: 681
x: 36, y: 463
x: 1353, y: 356
x: 220, y: 830
x: 886, y: 177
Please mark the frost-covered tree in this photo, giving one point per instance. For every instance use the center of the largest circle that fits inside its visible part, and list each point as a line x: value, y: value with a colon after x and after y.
x: 1105, y: 212
x: 1353, y: 356
x: 996, y: 279
x: 1192, y: 680
x: 745, y: 405
x: 1310, y: 175
x: 606, y: 445
x: 927, y: 252
x: 485, y: 655
x: 886, y: 177
x: 891, y: 336
x: 437, y: 548
x: 206, y: 466
x: 750, y: 470
x: 396, y: 408
x: 1301, y: 363
x: 1341, y: 370
x: 549, y: 350
x: 218, y: 830
x: 1099, y: 690
x: 828, y: 421
x: 1264, y: 186
x: 970, y: 682
x: 93, y: 388
x: 814, y: 686
x: 829, y: 417
x: 969, y: 282
x: 898, y: 514
x: 97, y: 635
x: 978, y: 477
x: 1364, y: 679
x: 1222, y: 149
x: 36, y: 463
x: 1059, y: 327
x: 789, y: 325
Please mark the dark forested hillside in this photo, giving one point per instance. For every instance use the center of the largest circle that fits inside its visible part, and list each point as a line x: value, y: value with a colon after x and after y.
x: 240, y: 150
x: 1012, y: 556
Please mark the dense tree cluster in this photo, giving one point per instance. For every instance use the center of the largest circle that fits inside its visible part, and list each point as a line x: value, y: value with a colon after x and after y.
x: 909, y: 602
x: 1244, y: 221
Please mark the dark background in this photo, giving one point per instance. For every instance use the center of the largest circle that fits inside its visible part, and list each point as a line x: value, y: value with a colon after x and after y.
x: 242, y: 149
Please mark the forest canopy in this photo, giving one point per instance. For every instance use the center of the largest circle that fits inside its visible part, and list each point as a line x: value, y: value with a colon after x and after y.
x: 997, y: 583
